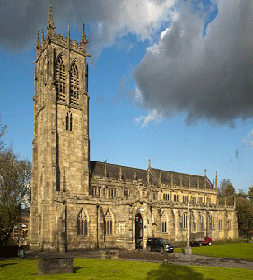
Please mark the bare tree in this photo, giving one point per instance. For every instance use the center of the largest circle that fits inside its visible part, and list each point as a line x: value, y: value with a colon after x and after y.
x: 2, y: 132
x: 15, y: 175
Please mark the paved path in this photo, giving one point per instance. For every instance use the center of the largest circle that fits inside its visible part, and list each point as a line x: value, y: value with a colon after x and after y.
x: 174, y: 258
x: 182, y: 259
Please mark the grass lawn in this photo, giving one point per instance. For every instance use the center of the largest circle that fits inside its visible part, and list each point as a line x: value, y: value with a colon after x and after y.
x: 236, y: 250
x: 116, y: 269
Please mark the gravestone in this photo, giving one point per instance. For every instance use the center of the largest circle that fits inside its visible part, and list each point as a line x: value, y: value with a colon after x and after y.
x: 109, y: 253
x: 54, y: 265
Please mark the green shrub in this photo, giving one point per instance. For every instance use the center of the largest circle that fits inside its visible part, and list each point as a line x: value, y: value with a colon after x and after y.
x: 228, y: 241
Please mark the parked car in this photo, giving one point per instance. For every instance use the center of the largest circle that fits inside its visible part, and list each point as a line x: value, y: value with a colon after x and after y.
x: 199, y: 239
x: 159, y: 244
x: 208, y: 241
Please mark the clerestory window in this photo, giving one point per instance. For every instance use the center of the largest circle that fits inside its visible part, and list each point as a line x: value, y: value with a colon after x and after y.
x: 60, y: 77
x: 185, y: 199
x: 176, y: 197
x: 126, y: 193
x: 166, y: 196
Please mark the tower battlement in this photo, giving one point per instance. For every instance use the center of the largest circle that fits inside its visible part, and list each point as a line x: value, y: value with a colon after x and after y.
x: 67, y: 43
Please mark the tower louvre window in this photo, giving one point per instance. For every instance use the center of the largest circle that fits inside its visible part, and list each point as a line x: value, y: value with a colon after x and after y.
x: 60, y: 79
x: 67, y: 121
x: 74, y: 85
x: 70, y: 122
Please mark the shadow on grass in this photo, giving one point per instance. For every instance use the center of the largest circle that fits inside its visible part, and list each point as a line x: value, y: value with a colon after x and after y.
x: 75, y: 269
x: 171, y: 271
x: 6, y: 264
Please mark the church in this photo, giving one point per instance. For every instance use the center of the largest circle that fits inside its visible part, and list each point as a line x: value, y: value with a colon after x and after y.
x: 77, y: 203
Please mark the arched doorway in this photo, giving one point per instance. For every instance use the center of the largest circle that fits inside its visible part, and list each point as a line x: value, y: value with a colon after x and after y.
x: 138, y: 231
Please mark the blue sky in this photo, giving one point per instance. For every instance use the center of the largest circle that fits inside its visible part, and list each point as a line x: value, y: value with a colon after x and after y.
x: 158, y: 88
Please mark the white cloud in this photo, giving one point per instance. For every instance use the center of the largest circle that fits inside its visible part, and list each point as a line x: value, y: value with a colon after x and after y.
x: 248, y: 140
x: 153, y: 116
x: 138, y: 99
x: 207, y: 77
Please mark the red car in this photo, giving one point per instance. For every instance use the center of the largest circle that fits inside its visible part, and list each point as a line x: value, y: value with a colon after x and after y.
x: 208, y: 241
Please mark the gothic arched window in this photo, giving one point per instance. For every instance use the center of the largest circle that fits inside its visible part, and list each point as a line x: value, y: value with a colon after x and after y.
x: 185, y: 220
x: 229, y: 225
x: 74, y: 85
x: 164, y: 223
x: 210, y: 222
x: 60, y: 79
x: 202, y: 222
x: 82, y: 223
x: 219, y: 222
x: 193, y: 222
x: 108, y: 224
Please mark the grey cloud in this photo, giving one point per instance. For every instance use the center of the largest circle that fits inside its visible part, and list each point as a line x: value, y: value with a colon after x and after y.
x: 19, y: 23
x: 20, y: 20
x: 207, y: 78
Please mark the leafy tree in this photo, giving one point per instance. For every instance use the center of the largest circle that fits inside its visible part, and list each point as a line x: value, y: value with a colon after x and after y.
x: 241, y: 193
x: 226, y: 188
x: 15, y: 177
x: 250, y: 194
x: 244, y: 210
x: 226, y: 191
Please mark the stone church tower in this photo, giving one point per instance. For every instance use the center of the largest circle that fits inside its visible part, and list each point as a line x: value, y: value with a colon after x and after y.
x: 79, y: 204
x: 61, y: 134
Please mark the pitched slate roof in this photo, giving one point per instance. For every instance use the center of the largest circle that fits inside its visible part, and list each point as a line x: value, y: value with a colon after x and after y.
x: 157, y: 176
